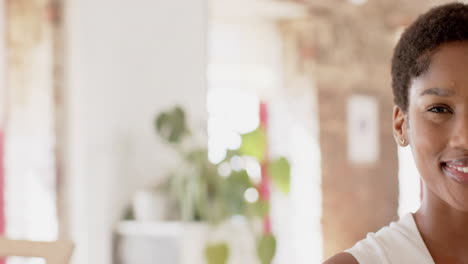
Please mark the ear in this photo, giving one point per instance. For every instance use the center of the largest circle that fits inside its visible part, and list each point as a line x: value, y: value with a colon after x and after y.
x: 399, y: 126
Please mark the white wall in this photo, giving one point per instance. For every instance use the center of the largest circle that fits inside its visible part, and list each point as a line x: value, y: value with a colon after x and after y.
x: 126, y: 61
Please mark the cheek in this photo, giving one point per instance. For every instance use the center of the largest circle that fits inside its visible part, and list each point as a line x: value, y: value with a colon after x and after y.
x: 427, y: 143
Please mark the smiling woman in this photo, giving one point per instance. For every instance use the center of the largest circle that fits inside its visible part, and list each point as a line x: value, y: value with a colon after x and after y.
x: 430, y: 87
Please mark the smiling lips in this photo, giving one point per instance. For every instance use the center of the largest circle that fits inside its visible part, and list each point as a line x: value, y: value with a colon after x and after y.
x: 457, y: 170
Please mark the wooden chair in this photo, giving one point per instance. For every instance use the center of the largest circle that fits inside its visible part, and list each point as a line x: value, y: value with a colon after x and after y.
x: 58, y: 252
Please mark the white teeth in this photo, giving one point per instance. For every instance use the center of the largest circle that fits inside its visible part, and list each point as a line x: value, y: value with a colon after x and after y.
x: 460, y: 169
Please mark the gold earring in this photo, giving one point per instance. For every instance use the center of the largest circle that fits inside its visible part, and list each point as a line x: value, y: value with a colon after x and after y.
x: 402, y: 141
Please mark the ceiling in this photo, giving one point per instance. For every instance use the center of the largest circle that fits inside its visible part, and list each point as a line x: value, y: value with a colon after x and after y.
x: 395, y: 12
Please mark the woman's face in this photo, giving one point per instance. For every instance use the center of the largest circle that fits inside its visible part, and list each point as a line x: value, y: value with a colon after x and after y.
x: 436, y: 124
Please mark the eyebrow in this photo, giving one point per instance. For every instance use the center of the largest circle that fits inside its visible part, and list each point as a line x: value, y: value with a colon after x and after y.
x: 438, y: 92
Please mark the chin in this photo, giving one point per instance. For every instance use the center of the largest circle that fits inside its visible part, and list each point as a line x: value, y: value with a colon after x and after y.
x: 446, y: 190
x: 456, y: 197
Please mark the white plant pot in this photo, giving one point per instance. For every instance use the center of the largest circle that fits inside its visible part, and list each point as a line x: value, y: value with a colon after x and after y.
x: 182, y: 243
x: 150, y: 206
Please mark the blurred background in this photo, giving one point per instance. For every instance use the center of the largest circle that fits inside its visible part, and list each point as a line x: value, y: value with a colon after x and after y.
x: 201, y: 131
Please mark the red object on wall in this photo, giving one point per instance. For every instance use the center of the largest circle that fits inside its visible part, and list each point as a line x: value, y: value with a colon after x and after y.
x: 264, y: 187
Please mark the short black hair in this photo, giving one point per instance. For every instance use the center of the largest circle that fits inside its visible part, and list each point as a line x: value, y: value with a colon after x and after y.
x: 412, y: 54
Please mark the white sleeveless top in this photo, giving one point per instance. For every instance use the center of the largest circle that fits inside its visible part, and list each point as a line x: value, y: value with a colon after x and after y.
x: 398, y: 243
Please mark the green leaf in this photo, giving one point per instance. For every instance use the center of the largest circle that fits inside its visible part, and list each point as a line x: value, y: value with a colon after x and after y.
x: 239, y: 180
x: 129, y: 214
x: 266, y: 248
x: 254, y: 144
x: 197, y: 156
x: 161, y: 120
x: 171, y: 125
x: 235, y: 186
x: 259, y: 209
x: 216, y: 253
x: 280, y: 172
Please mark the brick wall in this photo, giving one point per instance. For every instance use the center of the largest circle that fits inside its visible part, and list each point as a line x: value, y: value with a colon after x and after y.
x: 348, y: 55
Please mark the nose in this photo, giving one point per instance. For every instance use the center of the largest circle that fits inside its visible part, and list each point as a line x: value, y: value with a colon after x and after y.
x: 459, y: 137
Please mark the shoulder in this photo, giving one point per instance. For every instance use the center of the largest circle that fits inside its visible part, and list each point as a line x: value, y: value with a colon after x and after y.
x: 342, y: 258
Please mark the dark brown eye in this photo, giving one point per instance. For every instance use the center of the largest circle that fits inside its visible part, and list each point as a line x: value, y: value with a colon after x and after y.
x: 440, y: 110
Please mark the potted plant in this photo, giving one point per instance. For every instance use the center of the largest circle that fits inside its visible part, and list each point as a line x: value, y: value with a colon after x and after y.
x: 214, y: 193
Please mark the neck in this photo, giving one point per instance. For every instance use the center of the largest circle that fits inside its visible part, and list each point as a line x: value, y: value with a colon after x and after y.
x: 443, y: 228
